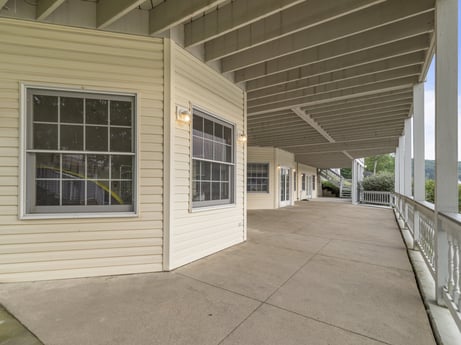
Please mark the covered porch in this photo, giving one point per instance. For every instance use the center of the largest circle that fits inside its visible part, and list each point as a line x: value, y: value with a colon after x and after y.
x: 320, y: 272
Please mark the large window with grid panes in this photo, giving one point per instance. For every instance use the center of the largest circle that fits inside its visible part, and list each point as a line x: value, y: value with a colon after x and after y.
x: 258, y: 177
x: 80, y: 152
x: 213, y: 165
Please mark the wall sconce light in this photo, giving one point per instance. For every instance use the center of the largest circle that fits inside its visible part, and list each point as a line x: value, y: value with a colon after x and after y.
x: 242, y: 138
x: 183, y: 114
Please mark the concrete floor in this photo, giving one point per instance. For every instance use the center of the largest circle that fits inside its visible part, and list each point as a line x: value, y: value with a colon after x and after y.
x: 319, y: 273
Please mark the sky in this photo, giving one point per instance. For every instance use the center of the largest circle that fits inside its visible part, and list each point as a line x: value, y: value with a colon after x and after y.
x: 429, y: 103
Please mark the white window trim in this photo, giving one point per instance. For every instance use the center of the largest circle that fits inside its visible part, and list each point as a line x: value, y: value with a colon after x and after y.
x: 232, y: 203
x: 23, y: 125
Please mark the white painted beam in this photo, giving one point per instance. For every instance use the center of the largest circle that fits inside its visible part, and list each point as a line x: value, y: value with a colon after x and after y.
x: 337, y: 85
x: 364, y: 111
x: 387, y: 12
x: 398, y: 49
x: 394, y: 63
x: 398, y: 84
x: 45, y: 8
x: 302, y: 114
x: 418, y: 142
x: 366, y: 40
x: 108, y: 11
x: 446, y: 131
x: 230, y: 17
x: 306, y: 15
x: 339, y: 146
x: 173, y: 12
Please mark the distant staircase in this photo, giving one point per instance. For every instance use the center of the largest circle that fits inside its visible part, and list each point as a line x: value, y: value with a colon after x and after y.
x: 344, y: 185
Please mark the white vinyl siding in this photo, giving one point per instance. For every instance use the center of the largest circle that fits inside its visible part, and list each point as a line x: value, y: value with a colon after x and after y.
x: 309, y: 173
x: 53, y: 56
x: 195, y: 233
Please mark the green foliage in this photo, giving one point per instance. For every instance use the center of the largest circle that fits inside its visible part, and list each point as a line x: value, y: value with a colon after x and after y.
x: 430, y: 190
x: 330, y: 187
x: 383, y: 182
x: 380, y: 164
x: 346, y: 173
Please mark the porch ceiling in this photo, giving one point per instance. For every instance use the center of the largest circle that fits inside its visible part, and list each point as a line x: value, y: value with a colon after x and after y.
x: 327, y: 75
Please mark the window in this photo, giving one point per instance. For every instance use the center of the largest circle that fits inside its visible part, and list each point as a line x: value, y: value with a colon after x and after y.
x: 80, y: 152
x: 295, y: 180
x: 313, y: 182
x: 303, y: 182
x: 212, y: 160
x: 258, y: 177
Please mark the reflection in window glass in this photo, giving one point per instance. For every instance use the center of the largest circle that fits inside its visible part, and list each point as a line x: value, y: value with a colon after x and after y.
x: 96, y: 111
x: 45, y: 108
x: 45, y: 136
x: 71, y: 110
x: 71, y: 138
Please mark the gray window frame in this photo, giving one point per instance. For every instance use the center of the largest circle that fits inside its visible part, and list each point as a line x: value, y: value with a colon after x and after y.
x: 204, y: 204
x: 29, y: 155
x: 266, y: 165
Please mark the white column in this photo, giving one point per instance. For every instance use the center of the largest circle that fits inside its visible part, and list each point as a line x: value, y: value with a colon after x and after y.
x: 418, y: 143
x: 397, y: 170
x: 419, y: 190
x: 354, y: 182
x: 402, y: 150
x: 446, y: 129
x: 407, y: 159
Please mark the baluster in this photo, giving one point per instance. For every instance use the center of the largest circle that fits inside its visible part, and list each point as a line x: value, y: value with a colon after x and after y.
x: 451, y: 265
x: 457, y: 272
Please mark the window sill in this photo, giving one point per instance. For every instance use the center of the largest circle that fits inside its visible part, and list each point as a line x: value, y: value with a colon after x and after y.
x: 35, y: 216
x: 211, y: 208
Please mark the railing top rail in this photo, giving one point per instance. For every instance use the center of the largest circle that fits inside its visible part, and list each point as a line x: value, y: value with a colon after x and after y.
x: 424, y: 204
x: 453, y: 217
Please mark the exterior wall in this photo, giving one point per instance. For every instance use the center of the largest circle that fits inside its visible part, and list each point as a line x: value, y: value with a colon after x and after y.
x: 196, y: 233
x: 263, y: 200
x: 310, y: 172
x: 276, y: 158
x: 41, y: 54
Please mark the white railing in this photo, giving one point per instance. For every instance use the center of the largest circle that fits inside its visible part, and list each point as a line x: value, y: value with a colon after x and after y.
x: 376, y: 198
x: 440, y: 247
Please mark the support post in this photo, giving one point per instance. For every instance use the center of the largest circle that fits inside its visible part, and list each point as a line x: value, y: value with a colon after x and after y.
x: 397, y: 171
x: 354, y: 182
x: 407, y: 159
x: 446, y: 131
x: 402, y: 149
x: 419, y: 191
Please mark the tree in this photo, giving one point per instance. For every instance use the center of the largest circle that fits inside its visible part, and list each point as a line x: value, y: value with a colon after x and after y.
x: 346, y: 173
x: 380, y: 164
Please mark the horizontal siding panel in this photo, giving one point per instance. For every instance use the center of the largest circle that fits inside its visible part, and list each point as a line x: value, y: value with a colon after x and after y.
x: 154, y: 243
x: 66, y: 57
x: 80, y: 273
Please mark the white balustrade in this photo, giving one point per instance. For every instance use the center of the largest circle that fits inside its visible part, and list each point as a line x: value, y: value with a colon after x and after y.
x: 375, y: 198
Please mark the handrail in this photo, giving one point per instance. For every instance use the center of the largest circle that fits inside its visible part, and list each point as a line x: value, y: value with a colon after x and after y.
x: 438, y: 237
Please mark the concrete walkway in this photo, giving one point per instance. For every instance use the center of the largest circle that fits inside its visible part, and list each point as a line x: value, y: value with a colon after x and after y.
x: 319, y: 273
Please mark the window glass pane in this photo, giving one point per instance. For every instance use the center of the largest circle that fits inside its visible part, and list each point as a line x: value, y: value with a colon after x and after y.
x: 218, y: 133
x: 198, y: 125
x: 47, y: 165
x: 225, y: 172
x: 120, y: 139
x: 45, y: 108
x: 122, y: 167
x: 73, y: 167
x: 196, y: 191
x: 97, y: 166
x: 47, y: 193
x: 121, y: 193
x: 215, y: 171
x: 224, y: 190
x: 197, y: 147
x: 96, y: 138
x: 96, y: 111
x: 195, y: 170
x: 71, y: 110
x: 228, y: 135
x: 97, y: 192
x: 45, y: 137
x: 73, y: 192
x: 208, y: 149
x: 205, y: 191
x: 71, y: 138
x: 215, y: 191
x: 208, y: 129
x: 205, y: 171
x: 219, y: 152
x: 228, y: 158
x: 120, y: 113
